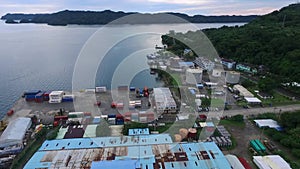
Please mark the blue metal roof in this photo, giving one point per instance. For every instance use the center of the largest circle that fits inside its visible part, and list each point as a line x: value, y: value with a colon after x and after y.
x: 203, y: 155
x: 120, y: 164
x: 80, y: 143
x: 35, y: 161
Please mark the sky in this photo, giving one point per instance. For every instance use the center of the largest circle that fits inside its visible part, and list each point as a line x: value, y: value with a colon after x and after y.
x: 190, y: 7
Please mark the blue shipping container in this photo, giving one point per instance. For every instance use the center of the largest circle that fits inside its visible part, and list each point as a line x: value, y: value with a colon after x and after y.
x: 39, y: 95
x: 111, y: 116
x: 29, y: 96
x: 31, y: 92
x: 67, y: 100
x: 132, y: 88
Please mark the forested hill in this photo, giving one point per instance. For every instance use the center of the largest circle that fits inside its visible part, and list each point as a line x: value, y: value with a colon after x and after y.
x: 272, y: 40
x: 103, y: 17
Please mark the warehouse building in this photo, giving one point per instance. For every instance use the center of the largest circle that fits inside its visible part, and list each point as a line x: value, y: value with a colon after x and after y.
x: 163, y: 100
x: 234, y: 162
x: 204, y: 63
x: 242, y: 91
x: 143, y: 152
x: 15, y: 132
x: 270, y: 162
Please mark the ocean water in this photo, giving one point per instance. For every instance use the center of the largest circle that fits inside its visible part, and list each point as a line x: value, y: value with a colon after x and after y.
x: 38, y: 56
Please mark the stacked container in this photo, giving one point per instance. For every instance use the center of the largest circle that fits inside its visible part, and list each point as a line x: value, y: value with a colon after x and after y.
x: 119, y: 119
x: 39, y: 97
x: 150, y: 116
x: 30, y: 95
x: 101, y: 89
x: 131, y: 105
x: 138, y: 104
x: 127, y: 116
x: 120, y: 105
x: 46, y: 95
x: 132, y: 89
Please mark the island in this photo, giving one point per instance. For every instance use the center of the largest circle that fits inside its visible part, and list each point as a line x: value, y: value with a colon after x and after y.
x: 67, y: 17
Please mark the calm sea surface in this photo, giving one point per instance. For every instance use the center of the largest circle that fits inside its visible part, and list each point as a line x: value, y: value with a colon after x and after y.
x: 38, y: 56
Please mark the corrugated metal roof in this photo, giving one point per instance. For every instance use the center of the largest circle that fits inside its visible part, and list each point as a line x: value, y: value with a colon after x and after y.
x: 234, y: 162
x: 15, y: 131
x: 105, y: 142
x: 205, y: 155
x: 128, y: 164
x: 90, y: 131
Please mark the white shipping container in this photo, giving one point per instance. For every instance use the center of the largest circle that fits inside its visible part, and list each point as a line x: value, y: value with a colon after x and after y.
x: 143, y: 119
x: 101, y: 89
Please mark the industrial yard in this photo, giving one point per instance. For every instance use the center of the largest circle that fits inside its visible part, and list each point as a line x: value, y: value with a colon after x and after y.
x: 204, y: 124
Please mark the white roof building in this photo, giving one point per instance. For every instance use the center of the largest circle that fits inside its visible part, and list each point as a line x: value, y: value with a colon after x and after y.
x: 15, y: 132
x: 270, y: 162
x: 234, y: 162
x: 163, y: 99
x: 267, y: 123
x: 243, y: 91
x: 252, y: 100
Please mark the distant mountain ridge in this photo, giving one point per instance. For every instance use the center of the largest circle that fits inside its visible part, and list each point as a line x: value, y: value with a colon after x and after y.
x: 103, y: 17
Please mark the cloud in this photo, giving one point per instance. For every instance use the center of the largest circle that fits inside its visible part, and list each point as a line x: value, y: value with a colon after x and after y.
x: 28, y: 8
x: 182, y: 2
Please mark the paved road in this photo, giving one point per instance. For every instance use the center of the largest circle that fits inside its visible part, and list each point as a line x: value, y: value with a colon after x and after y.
x: 255, y: 111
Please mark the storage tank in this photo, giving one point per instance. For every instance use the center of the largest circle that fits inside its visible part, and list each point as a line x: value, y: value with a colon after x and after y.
x: 232, y: 77
x: 177, y: 138
x: 217, y: 72
x: 183, y: 132
x: 192, y: 133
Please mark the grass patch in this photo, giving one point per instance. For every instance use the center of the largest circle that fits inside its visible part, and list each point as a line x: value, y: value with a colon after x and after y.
x: 217, y: 102
x: 177, y: 78
x: 231, y: 123
x: 161, y: 129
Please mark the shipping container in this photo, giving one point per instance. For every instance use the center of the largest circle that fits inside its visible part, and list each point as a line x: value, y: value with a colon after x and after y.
x: 120, y: 105
x: 143, y: 119
x: 29, y: 97
x: 111, y: 116
x: 67, y: 99
x: 111, y: 121
x: 58, y: 118
x: 87, y: 114
x: 119, y: 116
x: 96, y: 120
x: 132, y: 89
x: 101, y: 89
x: 31, y: 92
x: 77, y: 114
x: 39, y: 95
x: 261, y: 146
x: 255, y: 146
